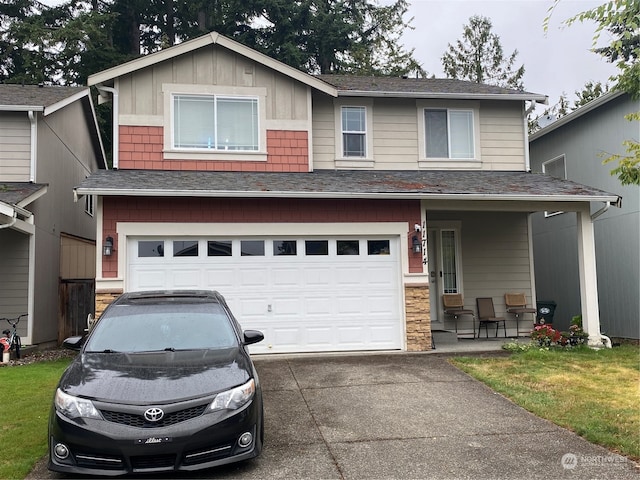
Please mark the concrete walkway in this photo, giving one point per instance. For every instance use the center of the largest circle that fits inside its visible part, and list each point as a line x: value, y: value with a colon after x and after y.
x: 403, y: 416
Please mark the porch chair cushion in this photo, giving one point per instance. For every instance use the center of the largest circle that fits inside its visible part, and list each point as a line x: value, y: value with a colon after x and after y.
x: 487, y: 315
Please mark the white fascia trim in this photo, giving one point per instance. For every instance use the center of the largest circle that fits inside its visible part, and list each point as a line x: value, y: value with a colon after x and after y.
x: 449, y: 96
x: 613, y: 199
x: 67, y: 101
x: 33, y: 197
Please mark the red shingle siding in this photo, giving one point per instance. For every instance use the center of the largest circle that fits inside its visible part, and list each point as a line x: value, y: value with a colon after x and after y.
x: 142, y: 148
x: 270, y: 210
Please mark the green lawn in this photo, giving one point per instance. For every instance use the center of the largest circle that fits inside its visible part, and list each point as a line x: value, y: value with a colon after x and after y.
x: 595, y: 393
x: 27, y: 391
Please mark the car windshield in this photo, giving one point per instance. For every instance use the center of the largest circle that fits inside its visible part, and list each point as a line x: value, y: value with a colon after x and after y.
x: 162, y: 326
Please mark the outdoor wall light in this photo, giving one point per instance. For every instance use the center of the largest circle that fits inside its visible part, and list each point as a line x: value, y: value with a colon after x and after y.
x: 107, y: 249
x: 416, y: 245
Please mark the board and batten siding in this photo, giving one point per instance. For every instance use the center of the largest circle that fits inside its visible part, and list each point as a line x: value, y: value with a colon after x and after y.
x: 396, y: 135
x: 141, y: 97
x: 15, y: 147
x: 14, y: 275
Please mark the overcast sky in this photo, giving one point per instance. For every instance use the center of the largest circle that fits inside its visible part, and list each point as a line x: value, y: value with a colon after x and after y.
x: 556, y: 62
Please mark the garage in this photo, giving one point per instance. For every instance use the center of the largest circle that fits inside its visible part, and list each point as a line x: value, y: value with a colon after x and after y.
x: 311, y: 294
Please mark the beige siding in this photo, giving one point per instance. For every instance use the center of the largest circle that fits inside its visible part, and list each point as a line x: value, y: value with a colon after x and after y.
x: 15, y: 147
x: 14, y: 275
x: 502, y: 136
x: 77, y: 258
x: 212, y: 66
x: 396, y: 135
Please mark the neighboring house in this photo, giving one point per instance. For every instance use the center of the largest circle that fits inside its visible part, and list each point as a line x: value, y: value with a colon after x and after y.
x: 573, y: 147
x: 331, y: 211
x: 49, y: 142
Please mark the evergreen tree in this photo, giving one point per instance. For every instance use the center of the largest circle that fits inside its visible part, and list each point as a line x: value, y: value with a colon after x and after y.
x: 479, y: 57
x: 621, y: 19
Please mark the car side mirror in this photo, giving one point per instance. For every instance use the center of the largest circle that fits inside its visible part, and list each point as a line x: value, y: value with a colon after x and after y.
x: 252, y: 336
x: 73, y: 343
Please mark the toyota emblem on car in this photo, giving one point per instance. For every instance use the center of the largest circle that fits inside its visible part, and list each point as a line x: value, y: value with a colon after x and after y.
x: 154, y: 414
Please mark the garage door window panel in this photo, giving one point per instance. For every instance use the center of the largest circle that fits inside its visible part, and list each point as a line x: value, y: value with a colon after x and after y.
x: 348, y: 247
x: 316, y: 247
x: 285, y: 247
x: 378, y: 247
x: 252, y: 248
x: 188, y: 248
x: 150, y: 248
x: 219, y: 248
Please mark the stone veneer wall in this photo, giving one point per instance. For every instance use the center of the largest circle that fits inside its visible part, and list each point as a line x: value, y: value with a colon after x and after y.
x: 104, y: 299
x: 418, y: 314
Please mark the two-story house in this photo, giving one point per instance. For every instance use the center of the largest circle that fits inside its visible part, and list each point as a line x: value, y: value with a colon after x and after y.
x: 332, y: 212
x: 573, y: 147
x: 49, y: 142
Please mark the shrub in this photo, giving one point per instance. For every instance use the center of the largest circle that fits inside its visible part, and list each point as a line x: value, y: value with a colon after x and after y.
x: 545, y: 336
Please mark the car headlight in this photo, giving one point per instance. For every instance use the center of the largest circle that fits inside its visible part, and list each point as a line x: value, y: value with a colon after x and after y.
x: 74, y: 407
x: 234, y: 398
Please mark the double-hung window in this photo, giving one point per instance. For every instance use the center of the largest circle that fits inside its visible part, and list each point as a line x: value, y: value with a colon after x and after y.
x: 354, y: 132
x: 449, y: 133
x: 215, y: 122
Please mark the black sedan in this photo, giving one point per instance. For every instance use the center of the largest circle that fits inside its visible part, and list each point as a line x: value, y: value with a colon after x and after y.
x: 163, y: 382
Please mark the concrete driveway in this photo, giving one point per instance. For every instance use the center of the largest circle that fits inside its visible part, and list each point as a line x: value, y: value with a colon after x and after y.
x: 403, y: 416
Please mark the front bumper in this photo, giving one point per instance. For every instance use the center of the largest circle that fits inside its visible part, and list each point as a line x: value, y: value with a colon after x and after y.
x: 98, y: 447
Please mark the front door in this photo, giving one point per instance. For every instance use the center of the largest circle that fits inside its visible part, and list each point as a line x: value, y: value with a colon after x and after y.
x: 444, y: 266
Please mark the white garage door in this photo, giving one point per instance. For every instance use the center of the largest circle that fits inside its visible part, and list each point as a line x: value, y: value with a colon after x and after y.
x: 304, y: 294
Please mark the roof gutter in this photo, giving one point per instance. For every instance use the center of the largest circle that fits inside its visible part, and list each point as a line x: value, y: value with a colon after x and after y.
x: 116, y: 131
x: 282, y: 194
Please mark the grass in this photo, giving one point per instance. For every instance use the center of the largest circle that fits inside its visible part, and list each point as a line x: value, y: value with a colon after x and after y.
x: 27, y: 392
x: 594, y: 393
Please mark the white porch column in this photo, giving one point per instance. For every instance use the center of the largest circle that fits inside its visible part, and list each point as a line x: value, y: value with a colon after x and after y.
x: 588, y: 279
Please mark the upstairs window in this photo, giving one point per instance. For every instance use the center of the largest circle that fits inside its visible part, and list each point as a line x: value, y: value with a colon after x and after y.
x: 449, y: 133
x: 354, y: 132
x: 215, y: 122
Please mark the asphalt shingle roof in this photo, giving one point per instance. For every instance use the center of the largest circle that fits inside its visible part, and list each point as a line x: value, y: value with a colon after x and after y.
x: 13, y: 193
x: 338, y: 184
x: 421, y: 86
x: 34, y: 95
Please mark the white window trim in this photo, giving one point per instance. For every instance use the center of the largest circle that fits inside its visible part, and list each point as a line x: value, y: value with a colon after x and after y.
x: 89, y: 205
x: 354, y: 162
x: 562, y: 157
x: 448, y: 163
x: 171, y: 153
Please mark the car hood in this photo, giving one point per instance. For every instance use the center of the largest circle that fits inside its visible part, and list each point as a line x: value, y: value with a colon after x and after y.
x: 155, y: 377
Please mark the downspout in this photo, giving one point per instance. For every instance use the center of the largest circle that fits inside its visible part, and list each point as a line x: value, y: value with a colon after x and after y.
x: 116, y: 131
x: 527, y: 161
x: 601, y: 211
x: 34, y: 146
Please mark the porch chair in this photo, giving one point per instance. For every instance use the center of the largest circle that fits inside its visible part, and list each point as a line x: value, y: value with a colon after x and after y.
x: 487, y: 315
x: 517, y: 305
x: 454, y: 305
